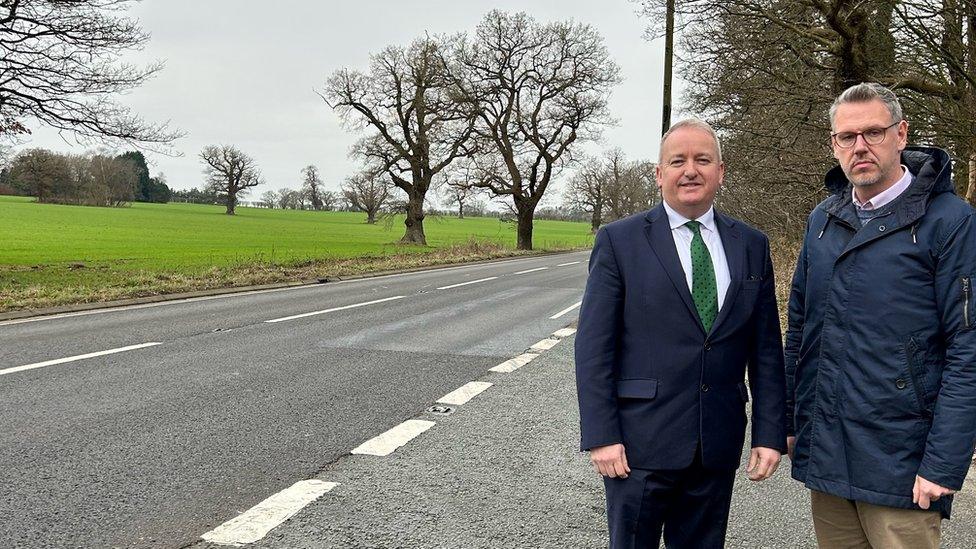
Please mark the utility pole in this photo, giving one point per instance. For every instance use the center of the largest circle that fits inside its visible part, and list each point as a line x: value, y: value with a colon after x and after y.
x: 668, y: 54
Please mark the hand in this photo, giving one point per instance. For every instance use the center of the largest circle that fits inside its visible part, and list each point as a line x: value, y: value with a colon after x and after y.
x: 763, y: 463
x: 790, y: 445
x: 610, y: 461
x: 925, y: 492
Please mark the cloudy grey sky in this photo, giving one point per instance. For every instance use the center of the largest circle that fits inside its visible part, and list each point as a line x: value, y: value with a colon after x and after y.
x: 244, y: 73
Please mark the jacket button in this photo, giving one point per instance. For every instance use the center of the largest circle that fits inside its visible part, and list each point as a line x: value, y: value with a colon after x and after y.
x: 708, y: 346
x: 901, y: 384
x: 704, y: 388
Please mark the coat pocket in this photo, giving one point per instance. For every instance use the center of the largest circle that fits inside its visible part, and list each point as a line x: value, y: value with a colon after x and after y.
x: 916, y: 375
x: 637, y: 388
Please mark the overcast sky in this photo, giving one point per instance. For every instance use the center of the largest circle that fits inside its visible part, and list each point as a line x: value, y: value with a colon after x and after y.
x: 240, y: 72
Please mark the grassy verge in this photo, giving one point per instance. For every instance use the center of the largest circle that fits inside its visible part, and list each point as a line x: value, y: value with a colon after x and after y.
x: 53, y: 255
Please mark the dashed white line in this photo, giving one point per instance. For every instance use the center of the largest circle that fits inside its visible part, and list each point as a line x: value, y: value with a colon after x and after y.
x: 353, y: 306
x: 385, y: 444
x: 466, y: 283
x: 464, y: 393
x: 514, y: 364
x: 256, y: 522
x: 531, y: 270
x: 567, y: 264
x: 77, y: 357
x: 545, y: 344
x: 566, y: 310
x: 564, y: 332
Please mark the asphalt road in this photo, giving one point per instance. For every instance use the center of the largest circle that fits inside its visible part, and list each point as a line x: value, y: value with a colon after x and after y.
x: 153, y: 446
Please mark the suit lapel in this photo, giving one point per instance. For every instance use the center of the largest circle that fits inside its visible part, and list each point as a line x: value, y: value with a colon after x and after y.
x: 735, y: 254
x: 658, y: 233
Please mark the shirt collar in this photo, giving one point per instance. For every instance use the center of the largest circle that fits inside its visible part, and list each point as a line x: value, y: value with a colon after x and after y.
x: 883, y: 198
x: 676, y: 220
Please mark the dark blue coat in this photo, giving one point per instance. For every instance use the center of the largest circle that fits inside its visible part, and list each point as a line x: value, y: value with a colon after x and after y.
x: 881, y: 350
x: 648, y: 375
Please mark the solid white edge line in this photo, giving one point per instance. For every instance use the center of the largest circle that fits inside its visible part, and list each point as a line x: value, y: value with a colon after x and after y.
x: 513, y: 364
x: 545, y: 344
x: 464, y: 393
x: 531, y: 270
x: 566, y: 310
x: 386, y: 443
x: 353, y: 306
x: 76, y: 357
x: 466, y: 283
x: 255, y: 523
x: 567, y: 264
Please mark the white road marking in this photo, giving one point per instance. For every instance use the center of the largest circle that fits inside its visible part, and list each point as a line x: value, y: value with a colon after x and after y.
x: 566, y: 264
x: 464, y: 393
x: 256, y: 522
x: 545, y: 344
x: 313, y: 313
x: 385, y: 444
x: 531, y: 270
x: 565, y: 332
x: 514, y: 364
x: 466, y: 283
x: 566, y: 310
x: 77, y: 357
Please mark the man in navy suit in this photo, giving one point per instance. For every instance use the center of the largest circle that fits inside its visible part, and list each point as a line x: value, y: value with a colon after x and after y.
x: 679, y: 304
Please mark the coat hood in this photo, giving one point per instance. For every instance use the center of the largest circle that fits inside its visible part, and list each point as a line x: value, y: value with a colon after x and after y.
x: 929, y: 164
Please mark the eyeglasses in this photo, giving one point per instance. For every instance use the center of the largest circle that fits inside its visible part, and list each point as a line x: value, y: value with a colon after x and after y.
x: 872, y: 136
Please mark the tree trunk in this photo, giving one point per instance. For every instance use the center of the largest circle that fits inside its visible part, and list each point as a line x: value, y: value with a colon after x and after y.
x: 525, y: 215
x: 370, y: 217
x: 460, y: 209
x: 414, y: 221
x: 231, y: 203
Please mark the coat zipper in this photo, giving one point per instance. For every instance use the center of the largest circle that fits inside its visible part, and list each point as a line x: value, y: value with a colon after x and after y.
x: 966, y: 296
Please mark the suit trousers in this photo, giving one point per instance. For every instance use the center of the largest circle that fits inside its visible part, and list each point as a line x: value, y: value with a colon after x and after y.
x: 690, y: 506
x: 845, y: 524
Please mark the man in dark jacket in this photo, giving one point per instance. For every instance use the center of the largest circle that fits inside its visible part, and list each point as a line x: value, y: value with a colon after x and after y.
x: 679, y: 302
x: 880, y: 349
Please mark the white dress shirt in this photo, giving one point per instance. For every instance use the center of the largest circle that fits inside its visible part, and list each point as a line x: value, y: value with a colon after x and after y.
x: 682, y: 236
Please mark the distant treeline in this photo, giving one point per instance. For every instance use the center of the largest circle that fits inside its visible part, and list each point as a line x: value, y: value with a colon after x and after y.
x: 83, y: 179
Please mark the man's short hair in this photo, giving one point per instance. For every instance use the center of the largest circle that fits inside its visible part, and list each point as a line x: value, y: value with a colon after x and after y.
x: 868, y: 91
x: 697, y: 124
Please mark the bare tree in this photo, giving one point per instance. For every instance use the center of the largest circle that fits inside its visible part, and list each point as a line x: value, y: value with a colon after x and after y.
x: 416, y: 127
x: 367, y: 192
x: 611, y: 188
x: 331, y: 201
x: 536, y: 90
x: 269, y: 199
x: 764, y: 72
x: 60, y: 66
x: 230, y: 173
x: 458, y: 194
x: 312, y: 186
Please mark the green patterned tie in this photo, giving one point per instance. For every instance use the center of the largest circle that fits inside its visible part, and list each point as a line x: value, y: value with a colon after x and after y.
x: 703, y: 287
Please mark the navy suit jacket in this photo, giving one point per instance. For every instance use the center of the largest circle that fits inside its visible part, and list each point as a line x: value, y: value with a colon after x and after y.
x: 648, y: 375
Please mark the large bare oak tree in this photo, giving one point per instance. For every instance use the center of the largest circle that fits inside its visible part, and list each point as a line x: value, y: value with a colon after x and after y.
x: 537, y: 89
x: 415, y: 127
x: 229, y: 172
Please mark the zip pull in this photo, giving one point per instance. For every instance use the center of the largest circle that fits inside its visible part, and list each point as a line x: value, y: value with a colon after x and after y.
x: 967, y: 292
x: 915, y: 233
x: 822, y: 230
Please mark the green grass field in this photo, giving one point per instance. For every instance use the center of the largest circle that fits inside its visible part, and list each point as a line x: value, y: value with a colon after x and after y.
x: 53, y: 254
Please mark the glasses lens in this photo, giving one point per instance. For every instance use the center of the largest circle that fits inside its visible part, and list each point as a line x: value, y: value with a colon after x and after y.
x: 874, y: 136
x: 845, y: 140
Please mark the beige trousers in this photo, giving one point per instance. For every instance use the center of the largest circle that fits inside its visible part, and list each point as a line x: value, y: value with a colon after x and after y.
x: 844, y: 524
